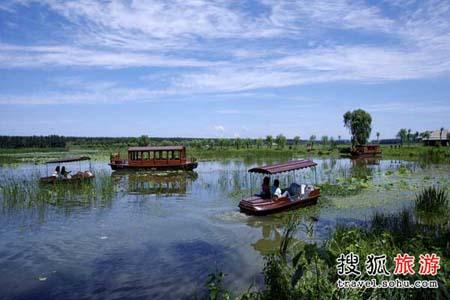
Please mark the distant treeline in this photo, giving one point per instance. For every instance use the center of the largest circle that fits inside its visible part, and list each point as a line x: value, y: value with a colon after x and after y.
x: 50, y: 141
x: 55, y: 141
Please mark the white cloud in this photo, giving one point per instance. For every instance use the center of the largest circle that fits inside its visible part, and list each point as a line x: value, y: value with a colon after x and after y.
x: 219, y: 128
x: 220, y: 47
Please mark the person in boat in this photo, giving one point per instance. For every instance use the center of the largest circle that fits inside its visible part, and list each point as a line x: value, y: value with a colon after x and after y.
x: 265, y: 188
x: 277, y: 191
x: 56, y: 172
x: 64, y: 173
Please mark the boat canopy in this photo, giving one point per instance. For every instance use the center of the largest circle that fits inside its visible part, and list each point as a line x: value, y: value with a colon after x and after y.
x: 284, y: 167
x: 68, y: 159
x: 157, y: 148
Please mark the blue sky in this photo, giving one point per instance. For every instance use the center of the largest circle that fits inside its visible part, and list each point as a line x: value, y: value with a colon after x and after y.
x: 197, y: 68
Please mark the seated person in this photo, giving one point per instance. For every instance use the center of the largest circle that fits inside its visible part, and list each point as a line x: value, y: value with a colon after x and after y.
x: 56, y: 172
x: 265, y: 188
x: 65, y: 173
x: 278, y: 194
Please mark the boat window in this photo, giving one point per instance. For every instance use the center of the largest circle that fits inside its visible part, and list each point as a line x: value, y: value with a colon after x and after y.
x: 145, y: 156
x: 151, y: 155
x: 157, y: 154
x: 176, y: 154
x: 164, y: 155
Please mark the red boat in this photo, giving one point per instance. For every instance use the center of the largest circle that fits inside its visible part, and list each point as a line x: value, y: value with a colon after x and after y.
x: 304, y: 195
x: 366, y: 150
x: 161, y: 158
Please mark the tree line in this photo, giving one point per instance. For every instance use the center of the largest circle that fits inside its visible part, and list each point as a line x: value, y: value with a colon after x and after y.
x: 50, y: 141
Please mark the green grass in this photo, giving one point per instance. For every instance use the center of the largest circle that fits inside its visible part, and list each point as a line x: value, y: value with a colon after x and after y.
x: 432, y: 199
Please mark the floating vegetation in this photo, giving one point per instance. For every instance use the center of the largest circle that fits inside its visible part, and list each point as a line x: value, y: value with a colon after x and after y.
x: 432, y: 199
x: 344, y: 187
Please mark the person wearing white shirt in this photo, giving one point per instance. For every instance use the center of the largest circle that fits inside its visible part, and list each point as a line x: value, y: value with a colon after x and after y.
x: 277, y: 193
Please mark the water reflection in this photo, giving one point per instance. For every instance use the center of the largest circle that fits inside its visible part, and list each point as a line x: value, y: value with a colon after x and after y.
x: 151, y: 183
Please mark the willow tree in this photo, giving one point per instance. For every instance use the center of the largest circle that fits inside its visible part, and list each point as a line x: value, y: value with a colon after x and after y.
x: 359, y: 122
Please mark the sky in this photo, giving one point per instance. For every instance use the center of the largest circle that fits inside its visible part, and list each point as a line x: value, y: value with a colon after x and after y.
x: 217, y: 68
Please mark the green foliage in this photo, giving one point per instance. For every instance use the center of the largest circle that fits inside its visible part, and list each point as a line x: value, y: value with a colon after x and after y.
x: 50, y: 141
x: 359, y: 122
x: 215, y: 287
x: 281, y: 141
x: 269, y: 141
x: 144, y: 140
x: 344, y: 187
x: 432, y: 199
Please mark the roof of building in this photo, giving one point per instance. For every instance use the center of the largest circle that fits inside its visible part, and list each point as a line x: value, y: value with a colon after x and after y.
x: 284, y: 167
x: 156, y: 148
x: 436, y: 135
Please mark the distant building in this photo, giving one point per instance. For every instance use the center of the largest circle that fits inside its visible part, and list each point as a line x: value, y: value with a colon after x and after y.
x: 437, y: 138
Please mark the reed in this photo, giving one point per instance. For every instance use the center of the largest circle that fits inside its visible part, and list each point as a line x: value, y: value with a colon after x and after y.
x: 432, y: 199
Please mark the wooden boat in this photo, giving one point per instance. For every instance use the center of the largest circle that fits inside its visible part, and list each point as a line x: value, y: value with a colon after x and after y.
x: 68, y: 178
x: 365, y: 150
x: 308, y: 194
x: 154, y: 158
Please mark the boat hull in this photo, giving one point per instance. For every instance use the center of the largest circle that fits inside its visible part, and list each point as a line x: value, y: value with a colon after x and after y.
x: 257, y: 206
x: 185, y: 167
x: 56, y: 180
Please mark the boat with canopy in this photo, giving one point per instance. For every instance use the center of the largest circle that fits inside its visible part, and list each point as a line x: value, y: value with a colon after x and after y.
x: 298, y: 195
x: 160, y: 158
x: 61, y: 173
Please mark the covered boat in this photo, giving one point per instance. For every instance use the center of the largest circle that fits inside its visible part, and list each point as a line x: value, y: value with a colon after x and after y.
x: 61, y: 173
x: 366, y: 150
x: 161, y: 158
x: 299, y: 195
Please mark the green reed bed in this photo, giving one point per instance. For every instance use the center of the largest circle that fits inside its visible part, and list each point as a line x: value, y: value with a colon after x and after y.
x: 29, y: 192
x: 432, y: 199
x: 308, y: 271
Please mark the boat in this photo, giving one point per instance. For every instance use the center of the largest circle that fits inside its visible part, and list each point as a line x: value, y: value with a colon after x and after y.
x: 365, y: 150
x: 161, y: 158
x: 67, y: 177
x: 305, y: 195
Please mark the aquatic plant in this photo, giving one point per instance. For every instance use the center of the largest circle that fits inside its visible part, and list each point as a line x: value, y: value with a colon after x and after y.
x: 344, y: 187
x: 432, y: 199
x: 310, y: 272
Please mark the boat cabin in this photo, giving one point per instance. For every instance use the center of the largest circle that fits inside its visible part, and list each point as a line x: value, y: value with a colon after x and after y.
x: 158, y: 158
x: 366, y: 150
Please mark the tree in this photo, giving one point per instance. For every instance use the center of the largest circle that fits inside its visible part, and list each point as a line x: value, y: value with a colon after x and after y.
x: 378, y: 137
x: 237, y: 143
x: 281, y: 141
x: 259, y: 143
x: 143, y: 140
x: 440, y: 134
x: 324, y: 139
x: 359, y: 122
x: 425, y: 135
x: 402, y: 135
x: 312, y: 138
x: 296, y: 140
x: 269, y: 141
x: 409, y: 136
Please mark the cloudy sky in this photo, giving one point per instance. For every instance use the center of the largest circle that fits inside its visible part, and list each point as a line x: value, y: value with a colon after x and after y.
x: 222, y: 68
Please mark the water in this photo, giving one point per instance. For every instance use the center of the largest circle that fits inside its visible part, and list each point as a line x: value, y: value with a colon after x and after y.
x: 158, y: 236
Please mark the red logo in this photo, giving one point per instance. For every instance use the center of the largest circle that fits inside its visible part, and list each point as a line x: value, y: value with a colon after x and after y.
x: 404, y: 264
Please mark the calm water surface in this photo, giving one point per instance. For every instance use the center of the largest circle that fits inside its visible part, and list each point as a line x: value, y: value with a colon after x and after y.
x: 159, y: 235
